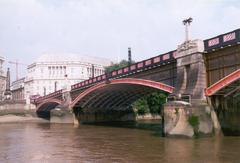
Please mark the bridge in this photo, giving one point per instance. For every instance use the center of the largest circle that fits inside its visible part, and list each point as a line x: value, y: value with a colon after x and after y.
x: 204, y: 71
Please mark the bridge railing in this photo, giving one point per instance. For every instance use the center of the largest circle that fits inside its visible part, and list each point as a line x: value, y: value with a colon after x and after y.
x: 227, y: 39
x: 59, y: 92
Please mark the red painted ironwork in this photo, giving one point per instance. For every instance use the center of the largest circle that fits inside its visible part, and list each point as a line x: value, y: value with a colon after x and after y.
x: 59, y: 92
x: 51, y: 100
x: 114, y: 73
x: 140, y: 65
x: 229, y: 37
x: 223, y: 83
x: 166, y: 56
x: 156, y: 59
x: 148, y: 62
x: 147, y: 83
x: 125, y: 69
x: 213, y: 42
x: 120, y: 71
x: 133, y: 67
x: 224, y: 40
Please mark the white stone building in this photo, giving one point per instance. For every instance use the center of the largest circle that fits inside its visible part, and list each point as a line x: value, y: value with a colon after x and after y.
x: 2, y: 79
x: 51, y: 72
x: 17, y: 89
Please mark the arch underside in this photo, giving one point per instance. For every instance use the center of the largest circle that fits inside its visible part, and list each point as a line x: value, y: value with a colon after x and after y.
x: 232, y: 89
x: 43, y: 111
x: 229, y: 85
x: 113, y: 97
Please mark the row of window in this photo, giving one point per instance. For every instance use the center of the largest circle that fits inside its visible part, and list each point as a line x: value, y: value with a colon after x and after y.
x: 55, y: 70
x: 96, y: 71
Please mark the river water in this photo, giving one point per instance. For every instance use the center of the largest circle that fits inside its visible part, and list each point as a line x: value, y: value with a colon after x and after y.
x: 60, y: 143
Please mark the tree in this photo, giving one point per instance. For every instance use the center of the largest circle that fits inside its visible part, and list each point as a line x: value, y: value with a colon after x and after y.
x: 155, y: 102
x: 150, y: 103
x: 141, y: 106
x: 116, y: 66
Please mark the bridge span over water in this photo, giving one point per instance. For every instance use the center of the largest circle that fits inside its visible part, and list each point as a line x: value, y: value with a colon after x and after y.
x: 206, y: 70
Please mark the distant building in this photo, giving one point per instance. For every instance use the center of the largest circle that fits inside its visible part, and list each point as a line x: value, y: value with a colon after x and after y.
x: 2, y: 79
x: 51, y: 72
x: 17, y: 89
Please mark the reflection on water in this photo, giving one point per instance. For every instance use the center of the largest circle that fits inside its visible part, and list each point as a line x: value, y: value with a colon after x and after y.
x: 62, y: 143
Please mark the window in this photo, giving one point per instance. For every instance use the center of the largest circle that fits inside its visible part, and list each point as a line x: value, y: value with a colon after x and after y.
x: 49, y: 70
x: 53, y: 70
x: 57, y: 70
x: 60, y: 69
x: 65, y: 69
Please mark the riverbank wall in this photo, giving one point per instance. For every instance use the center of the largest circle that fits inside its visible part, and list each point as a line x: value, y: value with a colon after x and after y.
x: 17, y: 108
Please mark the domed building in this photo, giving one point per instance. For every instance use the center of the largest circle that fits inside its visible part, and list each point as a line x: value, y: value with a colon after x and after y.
x: 51, y: 71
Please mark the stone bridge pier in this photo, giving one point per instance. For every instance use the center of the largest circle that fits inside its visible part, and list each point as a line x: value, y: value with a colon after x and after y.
x: 62, y: 113
x: 189, y: 114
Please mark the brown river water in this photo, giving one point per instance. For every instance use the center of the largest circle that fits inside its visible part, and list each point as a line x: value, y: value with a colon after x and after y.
x: 62, y: 143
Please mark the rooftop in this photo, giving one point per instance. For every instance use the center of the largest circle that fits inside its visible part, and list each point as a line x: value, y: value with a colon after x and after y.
x: 72, y: 57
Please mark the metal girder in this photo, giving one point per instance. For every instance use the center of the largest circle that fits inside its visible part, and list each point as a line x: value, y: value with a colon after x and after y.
x: 232, y: 91
x: 108, y: 100
x: 96, y: 103
x: 132, y: 85
x: 223, y: 83
x: 129, y: 101
x: 91, y: 99
x: 117, y: 99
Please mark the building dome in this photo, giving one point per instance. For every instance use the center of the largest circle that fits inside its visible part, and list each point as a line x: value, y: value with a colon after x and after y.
x: 71, y: 57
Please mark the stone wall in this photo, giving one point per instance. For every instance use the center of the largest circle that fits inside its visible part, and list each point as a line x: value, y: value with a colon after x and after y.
x: 188, y: 120
x: 17, y: 108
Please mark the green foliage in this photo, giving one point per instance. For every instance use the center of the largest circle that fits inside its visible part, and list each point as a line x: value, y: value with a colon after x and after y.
x: 116, y: 66
x: 150, y: 104
x: 155, y: 102
x: 141, y: 106
x: 193, y: 121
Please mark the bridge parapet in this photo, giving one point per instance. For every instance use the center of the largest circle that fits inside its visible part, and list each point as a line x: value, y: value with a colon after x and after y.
x: 51, y: 95
x: 224, y: 40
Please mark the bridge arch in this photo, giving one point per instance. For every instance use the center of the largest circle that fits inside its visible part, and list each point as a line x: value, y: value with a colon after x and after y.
x: 117, y: 93
x: 226, y: 86
x: 43, y: 109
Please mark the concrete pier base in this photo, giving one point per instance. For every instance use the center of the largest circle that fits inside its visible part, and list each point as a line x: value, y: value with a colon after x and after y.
x: 187, y: 120
x: 61, y: 116
x: 76, y: 122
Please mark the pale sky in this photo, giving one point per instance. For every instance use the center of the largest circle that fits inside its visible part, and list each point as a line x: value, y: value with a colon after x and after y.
x: 106, y: 28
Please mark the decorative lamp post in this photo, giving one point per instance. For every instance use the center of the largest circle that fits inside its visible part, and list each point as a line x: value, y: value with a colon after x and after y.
x: 187, y: 23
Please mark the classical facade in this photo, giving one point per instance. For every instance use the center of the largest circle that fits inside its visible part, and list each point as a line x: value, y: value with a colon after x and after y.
x: 53, y: 72
x: 2, y: 79
x: 17, y: 89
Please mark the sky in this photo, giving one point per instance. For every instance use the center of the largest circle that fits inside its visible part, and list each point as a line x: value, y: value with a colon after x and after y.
x: 106, y: 28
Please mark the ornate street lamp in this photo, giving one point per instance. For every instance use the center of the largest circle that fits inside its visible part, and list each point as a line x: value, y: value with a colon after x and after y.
x: 187, y: 23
